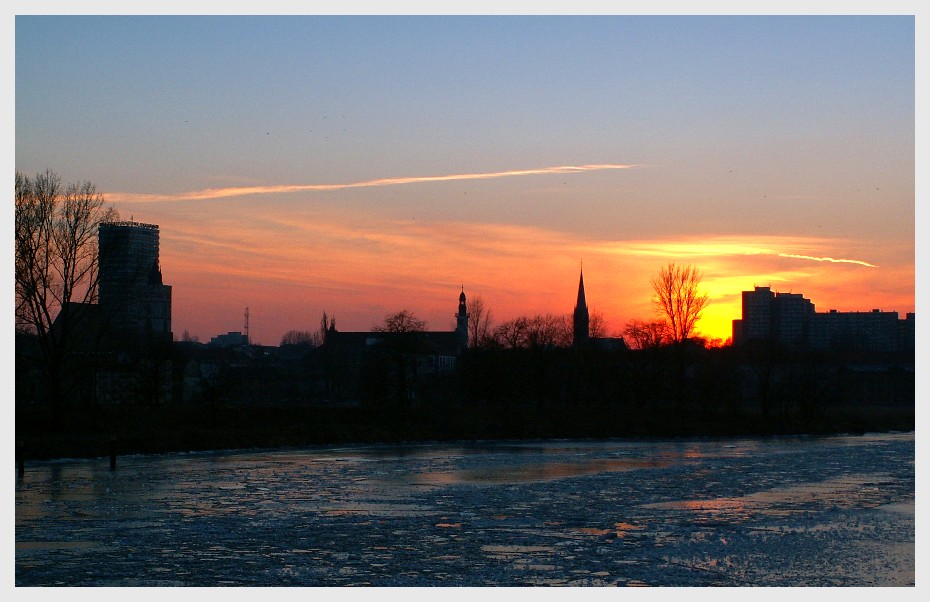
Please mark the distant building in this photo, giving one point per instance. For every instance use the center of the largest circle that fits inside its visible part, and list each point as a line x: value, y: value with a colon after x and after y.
x: 230, y: 339
x: 133, y: 298
x: 609, y: 343
x: 875, y: 330
x: 790, y: 319
x: 360, y: 364
x: 446, y: 344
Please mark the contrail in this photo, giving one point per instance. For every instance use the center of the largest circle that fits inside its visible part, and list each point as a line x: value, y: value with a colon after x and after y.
x: 735, y: 246
x: 828, y: 259
x: 219, y: 193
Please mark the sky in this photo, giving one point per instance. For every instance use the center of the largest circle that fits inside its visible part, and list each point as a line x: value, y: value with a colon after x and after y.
x: 360, y: 165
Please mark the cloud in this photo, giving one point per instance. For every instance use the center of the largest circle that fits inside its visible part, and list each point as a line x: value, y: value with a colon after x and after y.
x: 828, y: 259
x: 219, y: 193
x: 775, y: 246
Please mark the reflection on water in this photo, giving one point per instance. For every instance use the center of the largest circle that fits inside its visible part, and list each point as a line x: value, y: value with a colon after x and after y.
x: 789, y: 511
x: 845, y: 492
x: 533, y: 473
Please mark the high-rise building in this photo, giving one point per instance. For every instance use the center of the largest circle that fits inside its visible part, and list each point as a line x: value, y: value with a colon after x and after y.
x: 757, y: 315
x: 782, y: 317
x: 793, y: 318
x: 789, y: 319
x: 132, y: 297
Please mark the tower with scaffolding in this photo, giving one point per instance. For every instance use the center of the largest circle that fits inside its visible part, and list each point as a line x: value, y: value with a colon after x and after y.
x: 132, y: 296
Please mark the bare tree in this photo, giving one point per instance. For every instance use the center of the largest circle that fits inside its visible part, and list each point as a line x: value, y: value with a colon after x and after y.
x: 597, y: 325
x: 678, y: 299
x: 646, y: 335
x: 512, y: 333
x: 539, y: 331
x: 402, y: 321
x: 479, y: 323
x: 56, y: 264
x: 549, y: 331
x: 301, y: 337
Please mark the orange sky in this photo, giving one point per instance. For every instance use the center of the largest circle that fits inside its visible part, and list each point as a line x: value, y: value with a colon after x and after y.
x: 289, y: 265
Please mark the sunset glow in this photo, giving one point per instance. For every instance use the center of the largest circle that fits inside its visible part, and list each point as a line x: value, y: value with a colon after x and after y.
x: 293, y: 174
x: 360, y: 270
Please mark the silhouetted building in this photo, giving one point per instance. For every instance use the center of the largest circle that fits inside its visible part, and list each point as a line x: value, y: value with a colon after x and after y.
x: 580, y: 318
x: 756, y: 322
x: 875, y: 330
x: 790, y: 319
x: 132, y: 296
x: 372, y: 363
x: 793, y: 315
x: 609, y: 343
x: 906, y: 333
x: 135, y: 316
x: 781, y: 317
x: 230, y: 339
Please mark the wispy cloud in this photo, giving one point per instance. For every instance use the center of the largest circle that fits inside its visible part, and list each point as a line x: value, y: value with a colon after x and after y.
x: 775, y: 246
x: 828, y: 259
x: 236, y: 191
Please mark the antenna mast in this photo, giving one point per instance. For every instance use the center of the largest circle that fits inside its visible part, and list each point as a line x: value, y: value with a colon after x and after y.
x: 247, y: 325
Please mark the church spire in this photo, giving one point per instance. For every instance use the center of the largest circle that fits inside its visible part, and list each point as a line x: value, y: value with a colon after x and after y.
x: 581, y: 303
x: 581, y: 318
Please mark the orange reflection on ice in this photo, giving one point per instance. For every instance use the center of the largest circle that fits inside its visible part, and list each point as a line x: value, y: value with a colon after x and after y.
x: 619, y: 530
x: 530, y: 473
x: 714, y: 505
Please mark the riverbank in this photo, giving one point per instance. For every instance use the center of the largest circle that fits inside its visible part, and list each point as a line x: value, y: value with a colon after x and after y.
x: 104, y: 430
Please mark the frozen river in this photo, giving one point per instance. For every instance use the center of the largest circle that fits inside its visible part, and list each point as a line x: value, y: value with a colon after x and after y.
x: 807, y: 511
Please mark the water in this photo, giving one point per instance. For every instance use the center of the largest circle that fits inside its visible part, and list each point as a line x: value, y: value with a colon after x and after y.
x: 835, y: 511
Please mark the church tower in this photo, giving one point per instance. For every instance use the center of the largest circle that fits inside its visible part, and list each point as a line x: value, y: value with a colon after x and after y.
x: 580, y: 322
x: 461, y: 321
